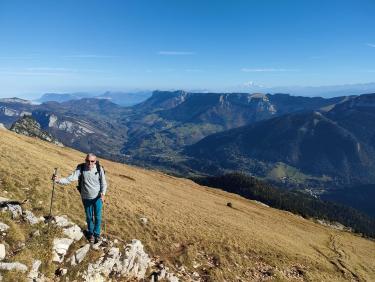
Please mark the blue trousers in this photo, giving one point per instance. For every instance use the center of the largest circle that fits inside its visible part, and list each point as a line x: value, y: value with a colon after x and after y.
x: 93, y: 210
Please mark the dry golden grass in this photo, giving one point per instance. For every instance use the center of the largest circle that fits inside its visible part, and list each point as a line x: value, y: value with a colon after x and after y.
x: 189, y: 224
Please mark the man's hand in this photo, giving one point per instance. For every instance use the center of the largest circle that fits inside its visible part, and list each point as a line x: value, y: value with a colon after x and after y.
x: 102, y: 197
x: 55, y: 178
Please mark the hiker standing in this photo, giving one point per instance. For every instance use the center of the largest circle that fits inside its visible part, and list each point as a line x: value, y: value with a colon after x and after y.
x: 93, y: 186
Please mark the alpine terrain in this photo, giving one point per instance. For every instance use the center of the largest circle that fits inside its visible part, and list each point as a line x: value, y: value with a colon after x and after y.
x: 157, y: 226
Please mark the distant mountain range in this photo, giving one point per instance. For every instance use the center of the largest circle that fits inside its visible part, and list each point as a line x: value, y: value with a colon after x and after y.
x: 168, y: 121
x: 120, y: 98
x: 158, y: 129
x: 327, y: 91
x: 316, y: 144
x: 63, y: 97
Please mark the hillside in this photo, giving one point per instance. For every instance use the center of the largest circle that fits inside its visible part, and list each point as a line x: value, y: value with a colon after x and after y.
x: 335, y: 148
x: 188, y: 224
x: 294, y: 201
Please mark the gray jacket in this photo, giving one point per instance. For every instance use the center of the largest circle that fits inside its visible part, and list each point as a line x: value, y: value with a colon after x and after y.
x: 91, y: 187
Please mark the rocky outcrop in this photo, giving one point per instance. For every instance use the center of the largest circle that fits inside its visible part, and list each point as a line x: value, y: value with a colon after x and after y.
x: 79, y: 255
x: 3, y: 227
x: 118, y: 260
x: 60, y: 248
x: 133, y: 263
x: 15, y: 210
x: 31, y: 218
x: 13, y: 266
x: 2, y: 251
x: 136, y: 261
x: 29, y: 127
x: 72, y: 233
x: 34, y: 274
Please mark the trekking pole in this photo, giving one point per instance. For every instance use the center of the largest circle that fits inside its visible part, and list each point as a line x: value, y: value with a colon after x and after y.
x: 53, y: 192
x: 104, y: 221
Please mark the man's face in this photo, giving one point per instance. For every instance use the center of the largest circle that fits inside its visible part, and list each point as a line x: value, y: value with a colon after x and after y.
x: 90, y: 162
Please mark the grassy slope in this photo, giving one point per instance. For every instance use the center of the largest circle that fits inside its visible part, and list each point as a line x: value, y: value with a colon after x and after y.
x: 187, y: 220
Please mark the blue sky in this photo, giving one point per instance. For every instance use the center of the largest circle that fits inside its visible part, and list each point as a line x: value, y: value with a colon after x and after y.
x: 69, y: 46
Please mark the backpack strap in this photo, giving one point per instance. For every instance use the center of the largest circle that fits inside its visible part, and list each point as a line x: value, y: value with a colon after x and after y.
x: 81, y: 179
x: 98, y: 168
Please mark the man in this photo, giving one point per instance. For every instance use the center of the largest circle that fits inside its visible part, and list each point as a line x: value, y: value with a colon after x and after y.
x: 93, y: 187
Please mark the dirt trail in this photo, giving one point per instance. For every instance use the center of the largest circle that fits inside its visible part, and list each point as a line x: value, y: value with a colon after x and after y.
x: 341, y: 259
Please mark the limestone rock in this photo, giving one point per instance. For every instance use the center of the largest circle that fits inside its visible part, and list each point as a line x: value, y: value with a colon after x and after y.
x: 64, y: 271
x: 136, y: 261
x: 74, y: 232
x: 61, y: 271
x: 143, y: 220
x: 2, y: 251
x: 3, y: 227
x: 34, y: 274
x: 60, y: 247
x: 31, y: 218
x: 162, y: 273
x: 63, y: 221
x: 104, y: 266
x: 71, y: 230
x: 15, y: 210
x: 13, y: 266
x: 80, y: 254
x: 96, y: 246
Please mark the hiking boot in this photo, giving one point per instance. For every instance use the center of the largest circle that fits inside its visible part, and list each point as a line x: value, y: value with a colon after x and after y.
x: 97, y: 239
x: 91, y: 239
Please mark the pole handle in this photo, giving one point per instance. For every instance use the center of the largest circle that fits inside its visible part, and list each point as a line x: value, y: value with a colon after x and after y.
x: 55, y: 173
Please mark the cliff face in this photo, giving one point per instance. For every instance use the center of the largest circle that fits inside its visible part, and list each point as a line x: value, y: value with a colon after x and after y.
x: 29, y: 127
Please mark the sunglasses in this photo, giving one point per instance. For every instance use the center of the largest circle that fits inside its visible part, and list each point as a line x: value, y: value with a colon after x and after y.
x: 90, y: 161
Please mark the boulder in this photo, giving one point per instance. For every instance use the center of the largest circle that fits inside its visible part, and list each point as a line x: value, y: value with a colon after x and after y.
x: 60, y: 248
x: 101, y: 269
x: 136, y: 261
x: 161, y: 273
x: 13, y: 266
x: 143, y: 220
x: 2, y: 251
x: 3, y: 227
x: 73, y: 232
x: 31, y: 218
x: 34, y: 274
x: 61, y: 271
x: 79, y: 255
x: 15, y: 210
x: 63, y: 221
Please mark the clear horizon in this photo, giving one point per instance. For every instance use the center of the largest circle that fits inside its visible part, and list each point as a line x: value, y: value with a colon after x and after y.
x: 95, y: 46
